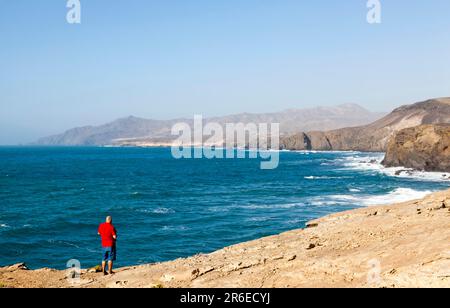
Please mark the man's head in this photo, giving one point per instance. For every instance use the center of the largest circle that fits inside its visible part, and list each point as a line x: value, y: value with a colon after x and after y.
x: 109, y: 219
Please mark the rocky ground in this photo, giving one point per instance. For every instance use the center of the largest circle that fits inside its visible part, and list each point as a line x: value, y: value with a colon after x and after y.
x: 402, y: 245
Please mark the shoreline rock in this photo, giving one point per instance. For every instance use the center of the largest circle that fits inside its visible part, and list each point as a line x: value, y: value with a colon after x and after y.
x: 424, y: 148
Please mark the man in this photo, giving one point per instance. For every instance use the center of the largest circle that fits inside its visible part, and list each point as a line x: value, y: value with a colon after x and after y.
x: 109, y: 236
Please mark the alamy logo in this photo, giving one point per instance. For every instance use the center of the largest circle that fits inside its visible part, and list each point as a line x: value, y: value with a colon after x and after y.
x: 374, y: 14
x: 238, y: 140
x: 74, y: 14
x: 374, y: 274
x: 73, y: 273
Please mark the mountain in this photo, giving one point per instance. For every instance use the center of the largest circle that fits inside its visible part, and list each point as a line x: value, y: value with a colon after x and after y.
x: 375, y: 136
x: 132, y: 129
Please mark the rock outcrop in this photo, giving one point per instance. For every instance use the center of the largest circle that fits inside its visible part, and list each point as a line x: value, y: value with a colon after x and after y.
x: 373, y: 137
x: 425, y: 147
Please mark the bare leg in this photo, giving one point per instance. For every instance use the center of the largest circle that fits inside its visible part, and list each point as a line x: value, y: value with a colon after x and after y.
x: 104, y: 267
x: 110, y: 267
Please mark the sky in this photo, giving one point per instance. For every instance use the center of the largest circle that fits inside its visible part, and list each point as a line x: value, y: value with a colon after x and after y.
x: 165, y: 59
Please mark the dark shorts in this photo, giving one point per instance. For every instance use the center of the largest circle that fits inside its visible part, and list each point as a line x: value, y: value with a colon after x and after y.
x: 109, y: 253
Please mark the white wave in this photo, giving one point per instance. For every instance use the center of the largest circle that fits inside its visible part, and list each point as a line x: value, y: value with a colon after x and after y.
x: 418, y: 175
x: 4, y: 226
x: 174, y: 228
x: 258, y: 219
x: 324, y: 177
x: 396, y: 196
x: 354, y: 190
x: 163, y: 210
x: 293, y: 222
x: 327, y: 152
x: 334, y: 200
x: 218, y: 209
x: 372, y: 163
x: 327, y: 164
x: 271, y: 206
x: 156, y: 211
x: 344, y: 197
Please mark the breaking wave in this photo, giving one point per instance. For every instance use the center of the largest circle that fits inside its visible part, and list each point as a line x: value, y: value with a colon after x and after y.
x: 373, y: 164
x: 396, y: 196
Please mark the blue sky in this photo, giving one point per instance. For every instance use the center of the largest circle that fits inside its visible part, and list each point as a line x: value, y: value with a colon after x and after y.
x: 173, y: 58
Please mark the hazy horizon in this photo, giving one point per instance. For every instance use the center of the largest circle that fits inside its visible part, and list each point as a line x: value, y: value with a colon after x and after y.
x: 164, y: 60
x: 189, y: 117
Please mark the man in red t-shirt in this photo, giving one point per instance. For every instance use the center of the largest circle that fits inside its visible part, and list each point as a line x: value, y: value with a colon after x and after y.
x: 109, y: 236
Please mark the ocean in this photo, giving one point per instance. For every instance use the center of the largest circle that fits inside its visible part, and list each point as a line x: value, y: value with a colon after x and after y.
x: 53, y: 199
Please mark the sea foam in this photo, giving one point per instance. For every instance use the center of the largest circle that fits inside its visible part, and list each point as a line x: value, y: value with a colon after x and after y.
x: 396, y: 196
x: 373, y: 164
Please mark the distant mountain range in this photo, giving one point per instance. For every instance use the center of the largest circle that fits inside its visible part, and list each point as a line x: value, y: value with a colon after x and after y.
x: 374, y: 136
x: 135, y: 131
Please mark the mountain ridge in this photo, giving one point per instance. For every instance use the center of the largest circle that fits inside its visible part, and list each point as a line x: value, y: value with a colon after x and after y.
x: 133, y: 127
x: 375, y: 136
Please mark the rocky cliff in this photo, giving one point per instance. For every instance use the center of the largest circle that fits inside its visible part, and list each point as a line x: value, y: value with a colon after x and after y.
x: 425, y: 147
x: 375, y: 136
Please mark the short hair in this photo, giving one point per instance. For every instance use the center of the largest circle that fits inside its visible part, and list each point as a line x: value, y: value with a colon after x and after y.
x: 109, y: 219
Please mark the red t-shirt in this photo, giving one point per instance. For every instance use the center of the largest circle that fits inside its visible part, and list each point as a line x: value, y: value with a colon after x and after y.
x: 107, y: 231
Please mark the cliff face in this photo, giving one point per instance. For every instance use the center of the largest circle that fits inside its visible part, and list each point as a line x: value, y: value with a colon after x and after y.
x: 425, y: 147
x: 375, y: 136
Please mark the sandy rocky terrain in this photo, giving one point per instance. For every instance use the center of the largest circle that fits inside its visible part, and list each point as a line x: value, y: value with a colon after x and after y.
x: 401, y: 245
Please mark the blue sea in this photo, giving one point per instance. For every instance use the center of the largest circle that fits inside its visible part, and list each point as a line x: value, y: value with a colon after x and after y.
x: 53, y: 199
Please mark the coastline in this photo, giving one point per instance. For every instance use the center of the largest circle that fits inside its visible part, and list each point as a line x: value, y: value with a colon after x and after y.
x: 225, y: 151
x: 397, y: 245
